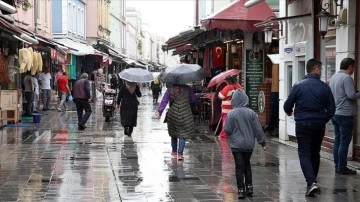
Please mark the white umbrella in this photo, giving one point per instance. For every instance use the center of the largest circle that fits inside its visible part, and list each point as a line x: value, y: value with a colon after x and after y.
x: 136, y: 75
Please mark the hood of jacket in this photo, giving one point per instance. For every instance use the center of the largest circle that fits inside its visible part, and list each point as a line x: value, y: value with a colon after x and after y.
x: 239, y: 99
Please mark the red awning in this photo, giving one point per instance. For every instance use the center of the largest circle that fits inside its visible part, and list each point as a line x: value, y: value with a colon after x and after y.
x: 236, y: 16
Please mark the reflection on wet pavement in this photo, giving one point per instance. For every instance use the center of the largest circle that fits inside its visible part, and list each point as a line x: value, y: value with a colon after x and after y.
x: 53, y: 161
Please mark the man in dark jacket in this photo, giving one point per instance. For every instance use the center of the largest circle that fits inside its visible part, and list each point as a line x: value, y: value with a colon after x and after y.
x: 314, y: 107
x: 81, y: 99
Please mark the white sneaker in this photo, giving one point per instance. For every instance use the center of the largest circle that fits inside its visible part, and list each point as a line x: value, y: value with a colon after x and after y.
x: 59, y: 109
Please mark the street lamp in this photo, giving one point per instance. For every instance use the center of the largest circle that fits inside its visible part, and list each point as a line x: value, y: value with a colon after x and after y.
x: 323, y: 22
x: 268, y: 35
x: 324, y: 16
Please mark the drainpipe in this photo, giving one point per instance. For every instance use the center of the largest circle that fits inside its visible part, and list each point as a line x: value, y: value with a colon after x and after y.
x: 196, y: 12
x: 36, y: 13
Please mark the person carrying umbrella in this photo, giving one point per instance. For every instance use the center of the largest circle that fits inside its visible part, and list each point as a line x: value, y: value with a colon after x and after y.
x: 179, y: 118
x: 128, y: 103
x: 225, y: 95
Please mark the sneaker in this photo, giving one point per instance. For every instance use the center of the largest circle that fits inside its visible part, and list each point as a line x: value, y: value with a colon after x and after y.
x: 59, y: 109
x: 241, y: 193
x: 174, y: 154
x: 311, y: 189
x: 347, y: 171
x: 249, y: 190
x: 180, y: 157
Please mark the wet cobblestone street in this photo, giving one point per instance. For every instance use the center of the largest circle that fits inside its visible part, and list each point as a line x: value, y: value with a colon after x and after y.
x: 53, y: 161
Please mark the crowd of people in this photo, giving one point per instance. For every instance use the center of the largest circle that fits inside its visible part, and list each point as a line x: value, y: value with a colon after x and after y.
x: 312, y: 102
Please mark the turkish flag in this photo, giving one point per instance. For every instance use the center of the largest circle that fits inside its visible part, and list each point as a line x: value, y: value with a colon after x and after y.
x: 218, y: 56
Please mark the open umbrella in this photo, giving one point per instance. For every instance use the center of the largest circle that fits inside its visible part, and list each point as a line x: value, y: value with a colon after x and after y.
x: 182, y: 74
x: 221, y: 77
x: 136, y: 75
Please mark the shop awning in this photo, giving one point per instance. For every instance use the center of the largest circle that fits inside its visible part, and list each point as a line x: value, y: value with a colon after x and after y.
x: 236, y: 16
x: 182, y: 39
x: 77, y: 48
x: 17, y: 32
x: 134, y: 63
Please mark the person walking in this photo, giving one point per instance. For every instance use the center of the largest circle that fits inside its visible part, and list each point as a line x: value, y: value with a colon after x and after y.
x: 63, y: 90
x: 179, y: 118
x: 128, y: 104
x: 242, y: 127
x: 45, y: 78
x: 342, y: 87
x: 28, y: 94
x: 314, y: 107
x: 156, y: 89
x: 36, y: 92
x: 225, y: 95
x: 81, y: 99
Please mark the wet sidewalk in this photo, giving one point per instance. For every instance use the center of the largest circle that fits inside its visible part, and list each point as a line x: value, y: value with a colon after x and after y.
x: 53, y: 161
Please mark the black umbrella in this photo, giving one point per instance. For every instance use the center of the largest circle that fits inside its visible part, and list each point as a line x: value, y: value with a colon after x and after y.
x: 182, y: 74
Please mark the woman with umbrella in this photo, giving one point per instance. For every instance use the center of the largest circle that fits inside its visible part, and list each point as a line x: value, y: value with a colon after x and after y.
x: 128, y: 103
x: 225, y: 95
x: 179, y: 118
x: 128, y: 96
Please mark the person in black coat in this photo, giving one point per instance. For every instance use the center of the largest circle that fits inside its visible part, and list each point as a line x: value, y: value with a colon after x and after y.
x: 156, y: 89
x: 128, y: 103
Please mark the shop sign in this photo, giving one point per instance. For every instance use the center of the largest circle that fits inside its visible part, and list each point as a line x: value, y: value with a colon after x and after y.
x: 53, y: 54
x: 60, y: 57
x: 288, y: 53
x: 261, y: 101
x: 300, y: 49
x: 254, y: 76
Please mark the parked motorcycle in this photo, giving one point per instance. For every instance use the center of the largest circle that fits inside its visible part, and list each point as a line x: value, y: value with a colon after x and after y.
x: 109, y: 103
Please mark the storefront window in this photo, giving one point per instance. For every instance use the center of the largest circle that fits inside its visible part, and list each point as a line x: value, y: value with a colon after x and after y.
x: 329, y: 70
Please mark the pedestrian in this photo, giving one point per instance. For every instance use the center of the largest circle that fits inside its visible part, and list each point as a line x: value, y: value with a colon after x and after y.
x: 242, y: 127
x: 179, y: 118
x: 225, y: 95
x: 114, y: 82
x: 342, y: 87
x: 36, y: 92
x: 314, y: 107
x: 81, y: 98
x: 45, y: 78
x: 63, y: 91
x: 28, y: 94
x: 128, y: 104
x: 156, y: 89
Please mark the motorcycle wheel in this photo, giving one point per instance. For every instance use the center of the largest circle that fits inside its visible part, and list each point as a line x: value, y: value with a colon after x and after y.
x: 107, y: 119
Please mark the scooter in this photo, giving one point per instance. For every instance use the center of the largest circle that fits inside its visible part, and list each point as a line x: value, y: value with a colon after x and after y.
x: 109, y: 104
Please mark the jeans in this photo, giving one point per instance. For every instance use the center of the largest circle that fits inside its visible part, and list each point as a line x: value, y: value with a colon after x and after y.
x: 46, y: 98
x: 343, y: 126
x: 309, y: 138
x: 81, y: 105
x: 62, y: 97
x: 242, y: 168
x: 174, y: 145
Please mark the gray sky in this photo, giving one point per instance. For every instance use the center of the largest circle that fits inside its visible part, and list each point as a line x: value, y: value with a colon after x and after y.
x: 166, y: 17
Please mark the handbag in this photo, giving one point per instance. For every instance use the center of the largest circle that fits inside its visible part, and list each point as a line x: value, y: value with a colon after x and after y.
x: 166, y: 115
